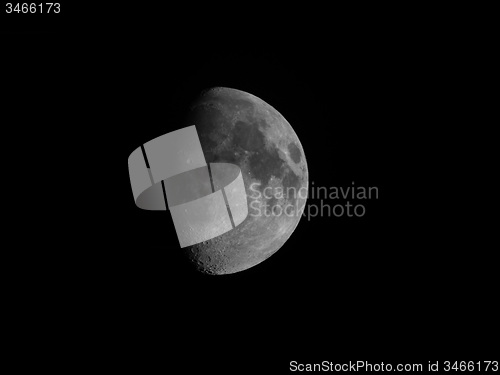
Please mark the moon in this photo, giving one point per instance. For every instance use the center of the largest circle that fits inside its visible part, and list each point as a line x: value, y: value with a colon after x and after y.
x: 239, y: 128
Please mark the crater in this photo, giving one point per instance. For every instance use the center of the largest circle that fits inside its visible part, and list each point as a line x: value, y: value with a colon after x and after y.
x: 294, y: 152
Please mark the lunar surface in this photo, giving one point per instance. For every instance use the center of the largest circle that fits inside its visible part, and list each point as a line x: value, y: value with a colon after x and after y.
x: 239, y: 128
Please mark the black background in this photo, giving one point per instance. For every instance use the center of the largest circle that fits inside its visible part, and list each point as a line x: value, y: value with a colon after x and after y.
x: 364, y: 97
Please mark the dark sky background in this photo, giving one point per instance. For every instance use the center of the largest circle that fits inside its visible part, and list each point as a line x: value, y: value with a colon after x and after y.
x: 362, y: 98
